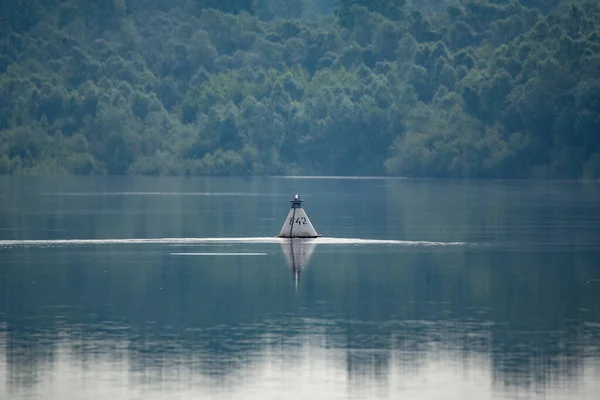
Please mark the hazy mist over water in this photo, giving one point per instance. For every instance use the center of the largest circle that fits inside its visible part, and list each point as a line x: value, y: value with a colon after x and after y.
x: 176, y: 287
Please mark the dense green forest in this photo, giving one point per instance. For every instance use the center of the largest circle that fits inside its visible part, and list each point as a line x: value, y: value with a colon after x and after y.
x: 438, y: 88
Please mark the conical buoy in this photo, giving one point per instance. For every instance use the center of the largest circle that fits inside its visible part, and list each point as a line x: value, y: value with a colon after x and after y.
x: 297, y: 224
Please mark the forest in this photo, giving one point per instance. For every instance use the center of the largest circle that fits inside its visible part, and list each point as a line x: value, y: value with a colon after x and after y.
x: 436, y: 88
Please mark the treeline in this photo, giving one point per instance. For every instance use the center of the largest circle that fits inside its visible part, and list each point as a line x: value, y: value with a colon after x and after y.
x: 449, y: 88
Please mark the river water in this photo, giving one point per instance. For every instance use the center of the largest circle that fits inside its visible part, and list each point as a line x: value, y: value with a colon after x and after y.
x: 153, y: 288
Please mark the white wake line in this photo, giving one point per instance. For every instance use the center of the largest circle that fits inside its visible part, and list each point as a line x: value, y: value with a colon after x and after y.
x: 100, y: 194
x: 219, y: 254
x: 243, y: 240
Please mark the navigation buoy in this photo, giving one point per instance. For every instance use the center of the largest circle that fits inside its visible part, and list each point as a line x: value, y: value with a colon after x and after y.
x: 297, y: 224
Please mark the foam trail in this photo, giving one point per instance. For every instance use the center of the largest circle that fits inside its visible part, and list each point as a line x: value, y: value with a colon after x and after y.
x: 339, y: 177
x: 355, y: 241
x: 219, y: 254
x: 97, y: 194
x: 241, y: 240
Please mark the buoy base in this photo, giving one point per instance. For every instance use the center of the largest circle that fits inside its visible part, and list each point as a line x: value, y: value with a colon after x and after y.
x: 298, y: 237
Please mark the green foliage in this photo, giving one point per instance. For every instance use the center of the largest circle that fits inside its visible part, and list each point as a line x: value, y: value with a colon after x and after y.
x: 470, y: 88
x: 347, y: 9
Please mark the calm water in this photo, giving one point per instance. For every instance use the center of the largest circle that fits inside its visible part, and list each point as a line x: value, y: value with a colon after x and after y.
x: 152, y: 288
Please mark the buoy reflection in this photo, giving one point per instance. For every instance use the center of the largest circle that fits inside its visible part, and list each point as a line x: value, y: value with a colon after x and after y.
x: 297, y: 253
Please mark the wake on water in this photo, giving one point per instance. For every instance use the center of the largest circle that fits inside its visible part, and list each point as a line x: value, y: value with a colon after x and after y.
x: 241, y: 240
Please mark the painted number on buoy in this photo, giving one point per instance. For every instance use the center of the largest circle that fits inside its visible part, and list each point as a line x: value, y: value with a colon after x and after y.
x: 299, y: 220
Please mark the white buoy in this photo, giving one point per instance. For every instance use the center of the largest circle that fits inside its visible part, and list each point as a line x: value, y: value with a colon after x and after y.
x: 297, y: 224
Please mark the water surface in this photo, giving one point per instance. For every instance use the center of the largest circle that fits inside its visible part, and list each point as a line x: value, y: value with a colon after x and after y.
x: 176, y: 287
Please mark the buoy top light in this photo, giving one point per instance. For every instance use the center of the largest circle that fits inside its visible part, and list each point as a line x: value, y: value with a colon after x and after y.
x: 297, y: 224
x: 296, y: 201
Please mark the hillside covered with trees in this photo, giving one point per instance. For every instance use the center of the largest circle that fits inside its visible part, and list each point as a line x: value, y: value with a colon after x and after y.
x: 438, y: 88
